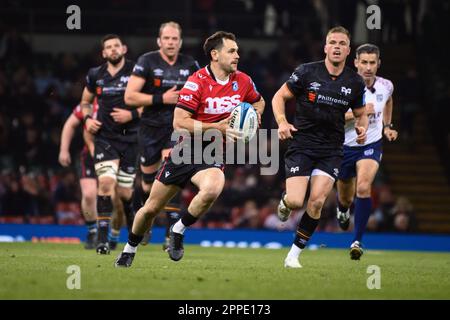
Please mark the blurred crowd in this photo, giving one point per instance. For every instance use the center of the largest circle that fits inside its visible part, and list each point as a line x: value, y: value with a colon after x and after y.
x: 38, y: 92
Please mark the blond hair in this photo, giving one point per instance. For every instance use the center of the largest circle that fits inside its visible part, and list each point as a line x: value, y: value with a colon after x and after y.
x: 340, y: 29
x: 173, y: 24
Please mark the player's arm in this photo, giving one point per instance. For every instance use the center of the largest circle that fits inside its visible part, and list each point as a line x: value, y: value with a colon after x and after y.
x: 89, y: 141
x: 92, y: 125
x: 182, y: 120
x: 135, y: 98
x: 390, y: 133
x: 67, y: 134
x: 279, y: 111
x: 259, y: 107
x: 123, y: 116
x: 361, y: 124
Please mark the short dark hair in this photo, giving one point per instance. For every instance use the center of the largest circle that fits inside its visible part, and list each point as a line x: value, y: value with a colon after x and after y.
x: 368, y: 48
x: 340, y: 29
x: 109, y: 37
x: 215, y: 42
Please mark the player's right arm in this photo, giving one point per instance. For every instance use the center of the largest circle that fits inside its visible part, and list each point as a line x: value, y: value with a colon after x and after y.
x: 142, y: 72
x: 279, y: 100
x: 87, y: 98
x: 92, y: 125
x: 67, y: 134
x: 182, y: 120
x: 89, y: 141
x: 135, y: 98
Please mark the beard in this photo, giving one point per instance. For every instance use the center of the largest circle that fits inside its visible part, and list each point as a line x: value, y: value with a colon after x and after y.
x: 115, y: 61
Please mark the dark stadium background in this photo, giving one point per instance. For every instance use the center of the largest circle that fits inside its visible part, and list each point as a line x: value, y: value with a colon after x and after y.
x: 43, y: 65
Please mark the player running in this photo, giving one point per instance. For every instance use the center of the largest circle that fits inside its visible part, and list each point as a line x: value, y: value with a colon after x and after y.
x: 86, y: 171
x: 324, y: 91
x: 155, y: 83
x: 205, y: 102
x: 115, y: 140
x: 361, y: 162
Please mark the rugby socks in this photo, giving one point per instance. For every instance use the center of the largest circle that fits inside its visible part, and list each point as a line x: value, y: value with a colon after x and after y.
x: 128, y: 211
x: 104, y: 209
x: 172, y: 212
x: 363, y: 208
x: 133, y: 242
x: 91, y: 226
x: 305, y: 229
x: 186, y: 221
x: 113, y: 235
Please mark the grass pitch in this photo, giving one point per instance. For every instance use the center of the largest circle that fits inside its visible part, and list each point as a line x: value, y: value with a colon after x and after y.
x: 38, y: 271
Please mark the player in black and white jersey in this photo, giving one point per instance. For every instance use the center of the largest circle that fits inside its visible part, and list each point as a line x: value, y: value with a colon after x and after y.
x: 155, y: 83
x: 324, y: 91
x: 115, y: 132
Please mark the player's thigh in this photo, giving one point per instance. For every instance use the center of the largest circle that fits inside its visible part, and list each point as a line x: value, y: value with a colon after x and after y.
x: 321, y: 186
x: 346, y: 189
x: 296, y: 190
x: 209, y: 180
x: 366, y: 170
x: 151, y: 143
x: 88, y: 187
x: 160, y: 195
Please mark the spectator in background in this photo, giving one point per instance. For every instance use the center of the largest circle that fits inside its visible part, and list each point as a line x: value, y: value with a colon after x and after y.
x: 66, y: 200
x: 403, y: 217
x: 246, y: 216
x: 379, y: 220
x: 409, y: 104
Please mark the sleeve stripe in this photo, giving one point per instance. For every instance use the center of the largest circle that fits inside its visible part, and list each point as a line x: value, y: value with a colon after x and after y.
x: 185, y: 108
x: 138, y: 75
x: 288, y: 85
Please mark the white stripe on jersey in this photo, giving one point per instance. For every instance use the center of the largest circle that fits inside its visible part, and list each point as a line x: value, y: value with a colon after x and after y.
x: 383, y: 91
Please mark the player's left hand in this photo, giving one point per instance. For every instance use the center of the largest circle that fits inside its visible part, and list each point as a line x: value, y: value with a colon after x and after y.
x: 121, y: 115
x: 361, y: 132
x: 390, y: 134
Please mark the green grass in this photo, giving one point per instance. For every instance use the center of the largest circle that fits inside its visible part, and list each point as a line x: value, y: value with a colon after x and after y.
x: 38, y: 271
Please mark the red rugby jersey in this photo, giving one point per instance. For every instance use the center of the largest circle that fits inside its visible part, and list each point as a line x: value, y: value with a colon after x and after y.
x: 78, y: 113
x: 211, y: 100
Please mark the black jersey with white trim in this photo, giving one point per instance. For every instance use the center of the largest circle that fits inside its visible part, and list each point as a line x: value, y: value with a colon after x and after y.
x: 322, y: 101
x: 159, y: 77
x: 110, y: 92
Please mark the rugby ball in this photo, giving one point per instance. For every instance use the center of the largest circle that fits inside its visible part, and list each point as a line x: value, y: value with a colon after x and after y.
x: 244, y: 119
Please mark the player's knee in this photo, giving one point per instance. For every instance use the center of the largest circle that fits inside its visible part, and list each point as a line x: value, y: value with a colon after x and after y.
x: 150, y: 210
x: 294, y: 203
x: 209, y: 195
x: 106, y: 186
x: 89, y: 198
x: 315, y: 206
x: 363, y: 190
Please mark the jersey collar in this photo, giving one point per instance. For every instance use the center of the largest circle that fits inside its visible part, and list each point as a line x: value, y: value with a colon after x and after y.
x: 211, y: 74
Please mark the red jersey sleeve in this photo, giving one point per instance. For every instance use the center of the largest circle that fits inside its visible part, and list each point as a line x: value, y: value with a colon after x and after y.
x: 77, y: 113
x: 252, y: 95
x: 190, y: 95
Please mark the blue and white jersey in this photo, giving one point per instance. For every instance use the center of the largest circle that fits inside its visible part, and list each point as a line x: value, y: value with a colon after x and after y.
x: 378, y: 95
